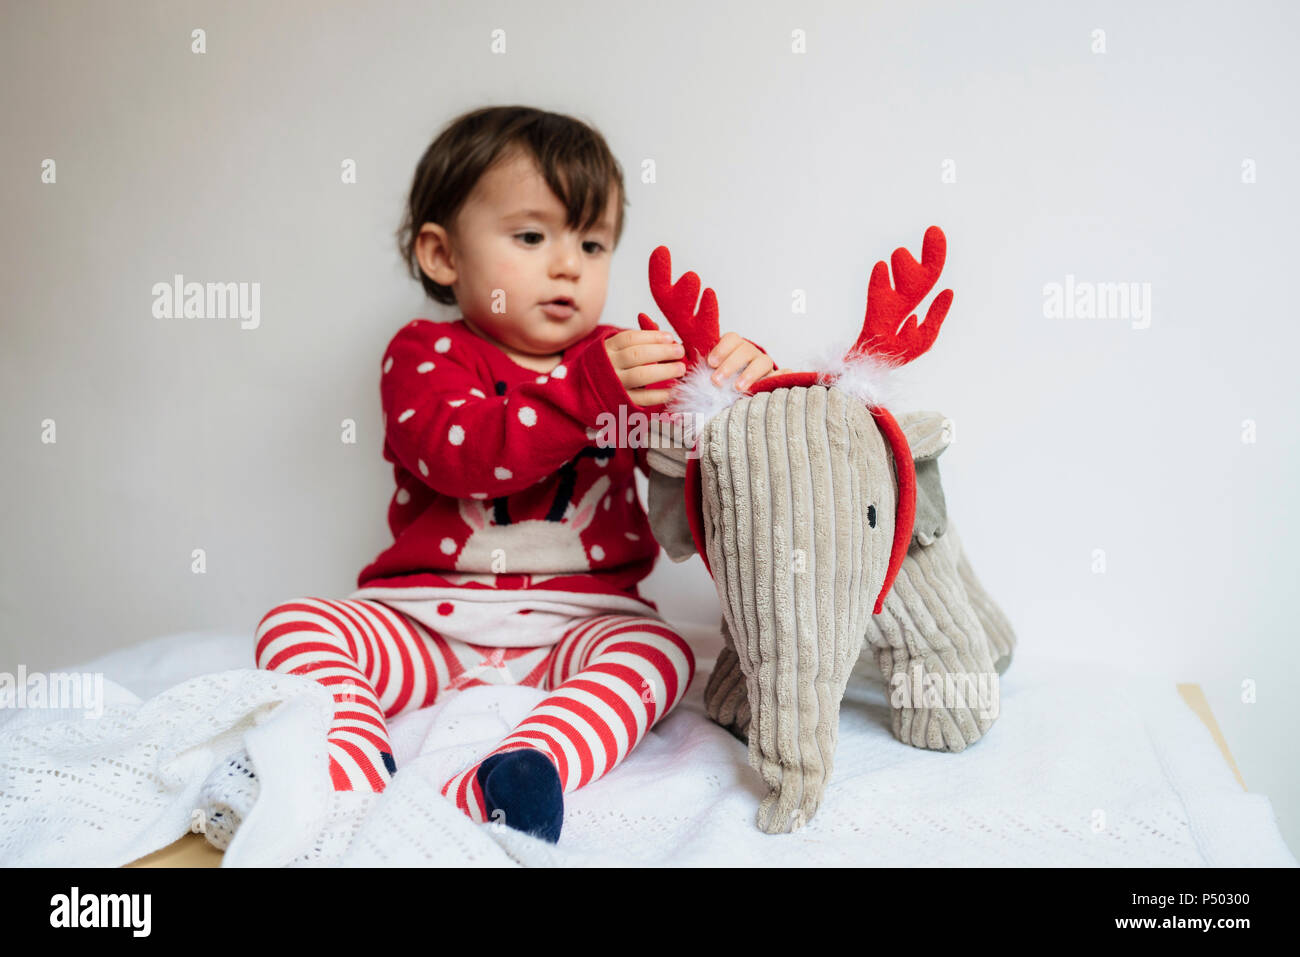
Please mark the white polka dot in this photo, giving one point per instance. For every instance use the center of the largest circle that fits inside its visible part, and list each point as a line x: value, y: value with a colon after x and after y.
x: 541, y: 380
x: 424, y: 367
x: 606, y: 503
x: 403, y: 496
x: 478, y: 495
x: 442, y: 345
x: 406, y: 415
x: 477, y: 393
x: 559, y: 372
x: 597, y: 552
x: 502, y: 473
x: 448, y: 546
x: 528, y: 415
x: 602, y: 462
x: 633, y: 535
x: 455, y: 403
x: 593, y: 434
x: 388, y: 363
x: 455, y: 435
x: 424, y: 469
x: 628, y: 494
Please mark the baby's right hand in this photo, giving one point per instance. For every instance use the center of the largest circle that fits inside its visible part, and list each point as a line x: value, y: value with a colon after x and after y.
x: 639, y: 359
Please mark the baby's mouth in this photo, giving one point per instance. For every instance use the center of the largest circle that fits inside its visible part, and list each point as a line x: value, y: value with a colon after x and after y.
x: 561, y: 308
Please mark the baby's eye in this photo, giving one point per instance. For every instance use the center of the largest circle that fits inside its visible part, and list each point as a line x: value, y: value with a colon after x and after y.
x: 599, y: 247
x: 531, y: 232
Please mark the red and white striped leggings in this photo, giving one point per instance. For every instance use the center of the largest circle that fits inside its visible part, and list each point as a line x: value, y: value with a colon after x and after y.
x: 613, y: 676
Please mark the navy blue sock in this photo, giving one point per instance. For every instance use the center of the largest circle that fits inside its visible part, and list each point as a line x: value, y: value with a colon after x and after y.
x: 524, y: 785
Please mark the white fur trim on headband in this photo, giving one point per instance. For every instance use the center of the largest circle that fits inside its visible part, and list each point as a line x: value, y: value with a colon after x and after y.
x: 865, y: 377
x: 696, y: 395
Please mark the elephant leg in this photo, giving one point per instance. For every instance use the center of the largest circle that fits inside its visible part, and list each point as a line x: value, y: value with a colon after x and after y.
x: 726, y: 700
x: 934, y: 654
x: 1002, y: 639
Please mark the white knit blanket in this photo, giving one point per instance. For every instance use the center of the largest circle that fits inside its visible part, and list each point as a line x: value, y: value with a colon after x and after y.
x: 1083, y: 767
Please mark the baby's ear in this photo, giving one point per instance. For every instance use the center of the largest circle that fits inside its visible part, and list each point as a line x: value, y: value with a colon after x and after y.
x: 928, y: 434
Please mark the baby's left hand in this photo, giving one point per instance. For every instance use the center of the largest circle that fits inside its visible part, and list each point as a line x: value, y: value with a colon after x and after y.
x: 732, y: 353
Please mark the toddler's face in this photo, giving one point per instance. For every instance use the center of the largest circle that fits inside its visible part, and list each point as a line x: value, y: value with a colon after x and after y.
x: 511, y: 253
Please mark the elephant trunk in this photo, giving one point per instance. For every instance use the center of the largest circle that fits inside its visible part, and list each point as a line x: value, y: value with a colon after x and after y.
x: 798, y: 559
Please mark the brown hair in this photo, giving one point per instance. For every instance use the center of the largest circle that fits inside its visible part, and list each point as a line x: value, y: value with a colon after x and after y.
x: 573, y: 158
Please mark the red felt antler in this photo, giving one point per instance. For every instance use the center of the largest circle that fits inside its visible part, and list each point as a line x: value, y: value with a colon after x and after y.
x: 889, y: 330
x: 698, y: 330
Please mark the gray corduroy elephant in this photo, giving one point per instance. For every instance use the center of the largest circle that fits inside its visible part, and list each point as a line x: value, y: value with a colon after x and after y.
x: 823, y: 523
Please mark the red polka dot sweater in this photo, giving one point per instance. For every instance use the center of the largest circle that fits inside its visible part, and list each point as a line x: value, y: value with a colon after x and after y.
x: 508, y: 519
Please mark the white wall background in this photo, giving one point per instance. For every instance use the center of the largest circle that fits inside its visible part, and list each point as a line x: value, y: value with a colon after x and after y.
x: 776, y: 171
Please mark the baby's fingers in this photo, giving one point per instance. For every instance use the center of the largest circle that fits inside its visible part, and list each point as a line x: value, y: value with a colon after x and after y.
x: 646, y: 352
x: 644, y: 375
x: 646, y: 397
x: 759, y: 367
x: 736, y: 360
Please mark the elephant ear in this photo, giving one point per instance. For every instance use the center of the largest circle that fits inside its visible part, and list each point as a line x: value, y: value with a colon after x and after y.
x: 928, y: 436
x: 666, y: 510
x: 927, y: 433
x: 667, y: 455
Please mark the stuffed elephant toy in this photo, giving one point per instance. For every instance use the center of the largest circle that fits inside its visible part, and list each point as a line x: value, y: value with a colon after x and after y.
x: 822, y: 520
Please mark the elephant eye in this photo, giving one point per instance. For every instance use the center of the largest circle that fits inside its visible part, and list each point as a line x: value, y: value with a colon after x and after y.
x: 871, y: 515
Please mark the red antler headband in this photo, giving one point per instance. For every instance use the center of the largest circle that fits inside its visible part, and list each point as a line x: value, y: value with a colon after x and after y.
x: 890, y: 337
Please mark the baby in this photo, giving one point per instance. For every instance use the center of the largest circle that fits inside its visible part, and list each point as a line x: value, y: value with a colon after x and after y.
x: 519, y: 541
